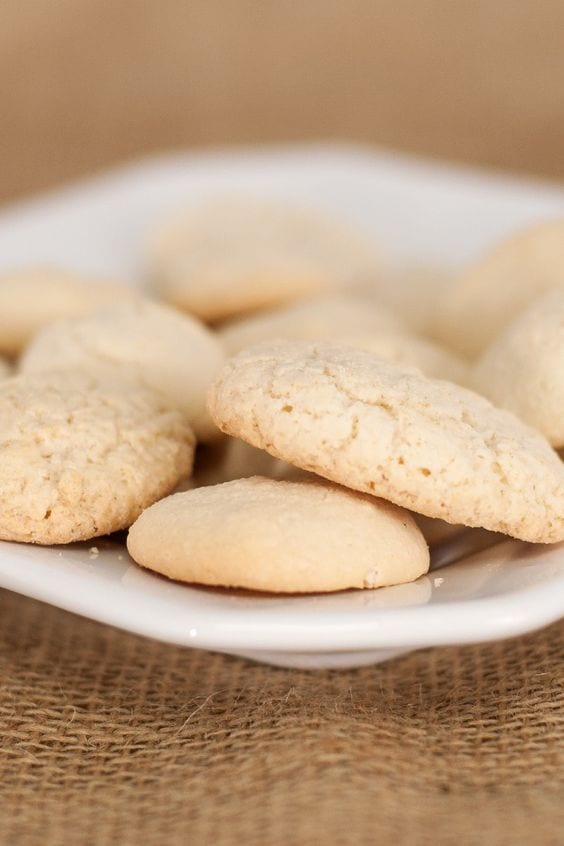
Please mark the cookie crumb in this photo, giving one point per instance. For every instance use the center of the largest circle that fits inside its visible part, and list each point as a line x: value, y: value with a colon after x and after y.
x: 438, y: 581
x: 94, y: 552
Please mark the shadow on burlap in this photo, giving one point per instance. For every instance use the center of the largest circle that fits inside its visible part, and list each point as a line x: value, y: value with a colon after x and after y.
x: 110, y: 738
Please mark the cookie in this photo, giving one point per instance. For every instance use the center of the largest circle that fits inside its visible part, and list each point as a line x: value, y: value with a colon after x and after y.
x: 523, y: 370
x: 492, y: 292
x: 225, y: 258
x: 411, y: 291
x: 410, y: 350
x: 81, y: 458
x: 428, y: 445
x: 33, y: 298
x: 284, y: 537
x: 349, y: 319
x: 165, y: 350
x: 321, y: 318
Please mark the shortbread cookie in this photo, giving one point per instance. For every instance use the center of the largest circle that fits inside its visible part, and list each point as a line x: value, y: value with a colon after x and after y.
x: 523, y: 370
x: 318, y: 319
x: 31, y: 299
x: 492, y: 292
x: 166, y: 350
x: 225, y: 258
x: 428, y: 445
x: 410, y: 350
x: 80, y: 458
x: 285, y: 537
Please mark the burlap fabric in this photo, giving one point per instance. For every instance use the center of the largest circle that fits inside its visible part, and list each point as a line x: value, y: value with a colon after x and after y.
x: 110, y: 738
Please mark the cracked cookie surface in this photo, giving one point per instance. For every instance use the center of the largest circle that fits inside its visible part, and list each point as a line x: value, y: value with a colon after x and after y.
x: 428, y: 445
x: 281, y: 536
x: 81, y: 458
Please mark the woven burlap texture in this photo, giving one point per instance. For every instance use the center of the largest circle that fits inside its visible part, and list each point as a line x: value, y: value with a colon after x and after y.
x: 109, y: 738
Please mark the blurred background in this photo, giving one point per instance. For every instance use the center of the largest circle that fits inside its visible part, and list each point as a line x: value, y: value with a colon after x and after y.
x: 88, y: 83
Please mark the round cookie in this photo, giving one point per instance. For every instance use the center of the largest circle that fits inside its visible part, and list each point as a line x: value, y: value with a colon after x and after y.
x: 492, y: 292
x: 410, y: 350
x: 428, y: 445
x: 321, y: 318
x: 523, y: 370
x: 284, y: 537
x: 229, y: 257
x: 165, y: 350
x: 31, y: 299
x: 81, y: 458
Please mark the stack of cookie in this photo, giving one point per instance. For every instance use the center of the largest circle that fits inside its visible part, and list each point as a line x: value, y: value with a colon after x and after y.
x: 338, y: 427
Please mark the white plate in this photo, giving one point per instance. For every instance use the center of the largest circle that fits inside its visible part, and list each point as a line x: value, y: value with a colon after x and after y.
x: 416, y: 210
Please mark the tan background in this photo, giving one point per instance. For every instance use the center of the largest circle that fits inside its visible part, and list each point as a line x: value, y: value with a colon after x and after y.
x: 88, y: 82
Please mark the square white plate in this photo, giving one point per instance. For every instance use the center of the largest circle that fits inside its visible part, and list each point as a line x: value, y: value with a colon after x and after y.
x: 417, y: 211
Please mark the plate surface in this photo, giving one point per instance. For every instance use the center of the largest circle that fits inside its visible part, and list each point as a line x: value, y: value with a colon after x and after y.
x: 417, y: 211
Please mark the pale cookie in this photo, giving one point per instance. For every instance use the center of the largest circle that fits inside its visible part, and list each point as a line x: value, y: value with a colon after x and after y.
x: 284, y: 537
x: 80, y: 458
x: 353, y: 320
x: 404, y: 348
x: 31, y: 299
x: 492, y: 292
x: 411, y: 291
x: 318, y: 319
x: 523, y: 370
x: 165, y: 350
x: 428, y: 445
x: 225, y: 258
